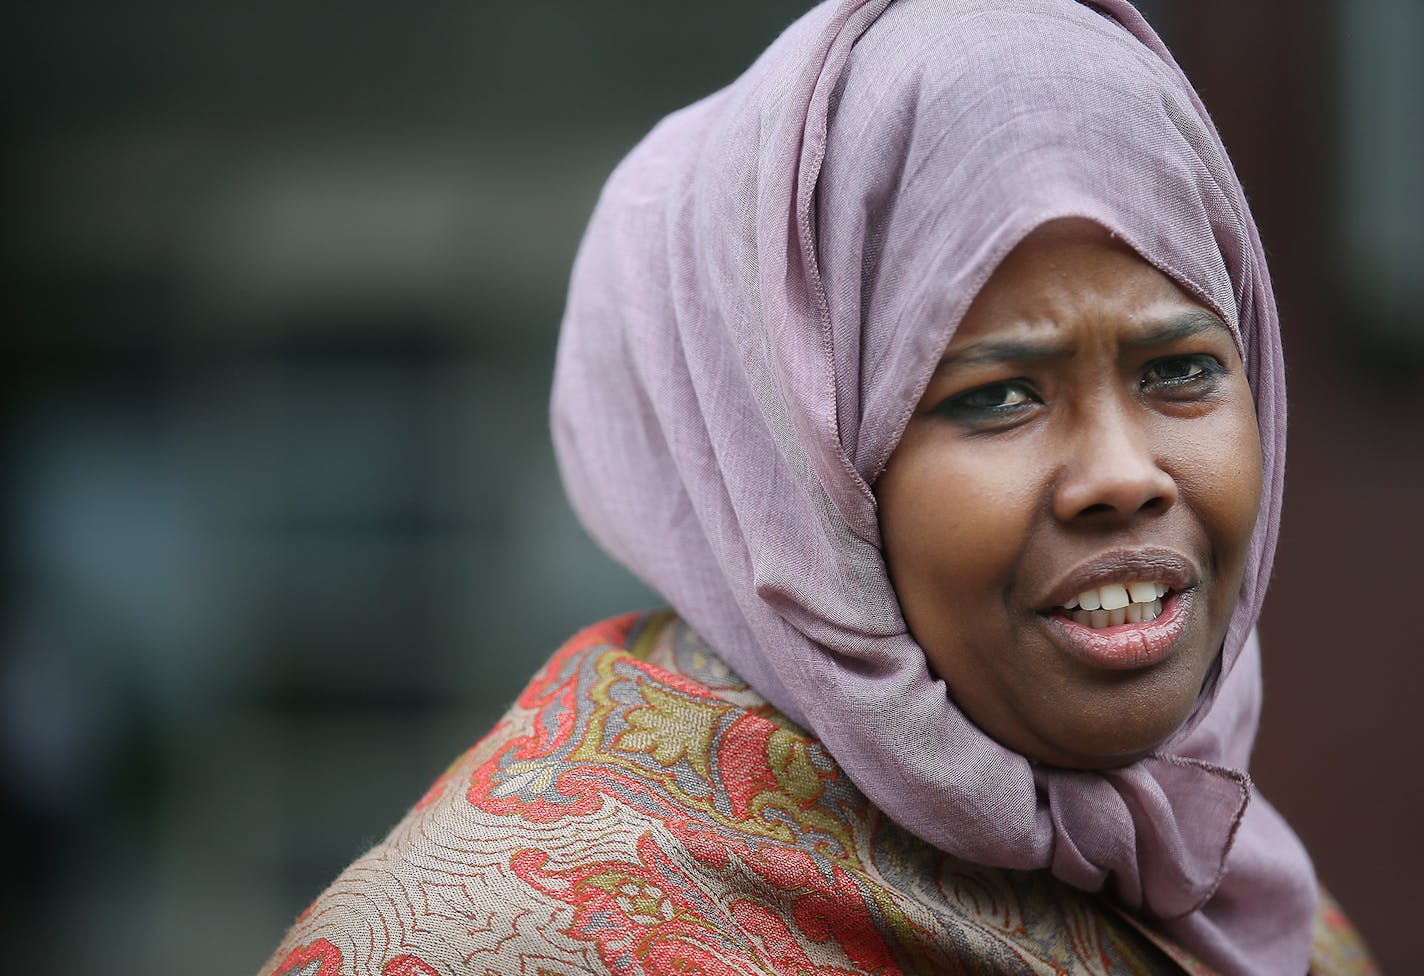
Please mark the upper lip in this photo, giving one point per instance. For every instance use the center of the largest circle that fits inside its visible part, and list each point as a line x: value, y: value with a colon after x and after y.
x: 1145, y: 564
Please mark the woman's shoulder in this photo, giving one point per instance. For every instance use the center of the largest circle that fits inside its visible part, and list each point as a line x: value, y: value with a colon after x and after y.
x: 455, y: 879
x: 559, y: 836
x: 640, y: 809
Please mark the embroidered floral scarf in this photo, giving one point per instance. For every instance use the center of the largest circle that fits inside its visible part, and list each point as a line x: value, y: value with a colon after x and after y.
x: 640, y: 810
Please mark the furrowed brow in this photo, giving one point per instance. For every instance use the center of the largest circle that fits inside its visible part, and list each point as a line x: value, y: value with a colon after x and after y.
x: 993, y: 352
x: 1184, y: 326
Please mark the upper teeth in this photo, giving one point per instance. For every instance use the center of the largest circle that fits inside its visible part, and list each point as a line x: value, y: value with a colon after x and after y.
x: 1116, y: 596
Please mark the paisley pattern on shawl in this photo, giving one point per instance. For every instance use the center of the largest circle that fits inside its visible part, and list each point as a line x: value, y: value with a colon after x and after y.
x: 640, y: 810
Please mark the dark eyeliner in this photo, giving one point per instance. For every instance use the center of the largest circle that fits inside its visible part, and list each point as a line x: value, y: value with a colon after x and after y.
x: 985, y: 404
x: 1210, y: 370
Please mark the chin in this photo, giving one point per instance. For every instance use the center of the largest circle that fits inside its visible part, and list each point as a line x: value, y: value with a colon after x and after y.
x: 1096, y: 760
x: 1103, y: 741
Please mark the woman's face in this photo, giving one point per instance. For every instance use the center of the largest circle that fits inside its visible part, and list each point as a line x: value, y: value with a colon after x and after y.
x: 1088, y: 440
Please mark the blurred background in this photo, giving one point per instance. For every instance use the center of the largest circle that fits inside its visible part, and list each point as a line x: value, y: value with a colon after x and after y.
x: 282, y: 532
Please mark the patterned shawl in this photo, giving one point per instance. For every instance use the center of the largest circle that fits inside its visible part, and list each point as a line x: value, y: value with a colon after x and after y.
x: 640, y: 810
x: 763, y: 291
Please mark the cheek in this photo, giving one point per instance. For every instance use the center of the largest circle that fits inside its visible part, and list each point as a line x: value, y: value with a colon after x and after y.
x: 1219, y: 473
x: 953, y: 523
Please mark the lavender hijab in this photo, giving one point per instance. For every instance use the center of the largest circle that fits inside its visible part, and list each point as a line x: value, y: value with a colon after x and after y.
x: 764, y: 289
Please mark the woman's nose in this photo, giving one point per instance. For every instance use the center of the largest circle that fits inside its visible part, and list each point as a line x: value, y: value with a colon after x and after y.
x: 1111, y: 470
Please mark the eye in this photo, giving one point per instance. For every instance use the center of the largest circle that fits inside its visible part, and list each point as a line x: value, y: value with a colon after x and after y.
x: 1183, y: 374
x: 986, y: 404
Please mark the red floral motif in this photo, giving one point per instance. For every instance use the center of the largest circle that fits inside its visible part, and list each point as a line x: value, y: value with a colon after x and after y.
x: 747, y: 775
x: 606, y: 633
x: 648, y: 917
x: 319, y: 958
x: 408, y: 965
x: 824, y: 905
x: 553, y: 697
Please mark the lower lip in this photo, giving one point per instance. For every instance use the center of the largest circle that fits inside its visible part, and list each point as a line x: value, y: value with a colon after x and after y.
x: 1126, y: 646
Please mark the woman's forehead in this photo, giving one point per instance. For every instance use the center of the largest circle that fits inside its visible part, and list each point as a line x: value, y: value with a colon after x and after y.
x: 1068, y: 270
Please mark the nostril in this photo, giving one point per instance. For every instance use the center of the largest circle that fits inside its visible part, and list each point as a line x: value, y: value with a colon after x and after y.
x: 1121, y: 508
x: 1157, y: 504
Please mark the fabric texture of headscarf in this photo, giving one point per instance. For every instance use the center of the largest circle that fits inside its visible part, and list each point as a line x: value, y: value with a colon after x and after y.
x: 763, y: 291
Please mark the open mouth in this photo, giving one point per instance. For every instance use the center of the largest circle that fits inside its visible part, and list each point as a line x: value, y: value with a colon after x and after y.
x: 1115, y: 604
x: 1135, y: 632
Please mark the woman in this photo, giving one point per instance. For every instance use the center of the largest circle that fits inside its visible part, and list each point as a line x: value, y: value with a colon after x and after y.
x: 931, y: 372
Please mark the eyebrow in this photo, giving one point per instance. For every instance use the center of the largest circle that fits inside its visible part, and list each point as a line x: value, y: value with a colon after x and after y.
x: 990, y: 352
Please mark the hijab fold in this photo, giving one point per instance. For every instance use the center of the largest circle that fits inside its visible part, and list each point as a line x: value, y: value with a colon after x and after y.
x: 764, y: 289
